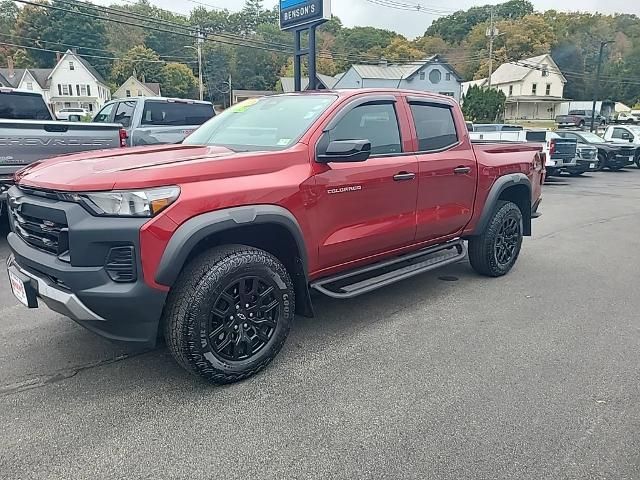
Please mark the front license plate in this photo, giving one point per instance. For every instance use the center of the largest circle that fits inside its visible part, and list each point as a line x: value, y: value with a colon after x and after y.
x: 592, y: 165
x: 19, y: 289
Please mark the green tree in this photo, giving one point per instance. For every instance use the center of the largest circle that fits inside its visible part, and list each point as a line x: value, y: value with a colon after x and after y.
x: 21, y: 59
x: 483, y: 105
x: 177, y: 80
x: 33, y: 22
x: 140, y: 61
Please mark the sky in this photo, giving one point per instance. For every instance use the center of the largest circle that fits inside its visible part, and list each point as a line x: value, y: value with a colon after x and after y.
x: 409, y: 23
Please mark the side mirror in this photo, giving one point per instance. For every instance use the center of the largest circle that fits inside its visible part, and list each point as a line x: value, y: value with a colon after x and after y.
x: 346, y: 151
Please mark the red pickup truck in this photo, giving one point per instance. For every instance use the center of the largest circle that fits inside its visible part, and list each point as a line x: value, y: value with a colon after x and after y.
x: 217, y: 242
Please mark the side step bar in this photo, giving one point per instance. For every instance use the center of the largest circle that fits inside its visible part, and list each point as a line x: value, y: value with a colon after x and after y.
x: 378, y: 275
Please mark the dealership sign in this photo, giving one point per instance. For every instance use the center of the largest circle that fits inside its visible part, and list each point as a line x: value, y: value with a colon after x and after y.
x: 298, y: 13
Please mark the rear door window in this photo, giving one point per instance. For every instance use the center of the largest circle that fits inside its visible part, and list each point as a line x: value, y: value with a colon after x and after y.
x: 104, y: 115
x: 163, y: 113
x: 124, y: 113
x: 23, y: 106
x: 435, y: 126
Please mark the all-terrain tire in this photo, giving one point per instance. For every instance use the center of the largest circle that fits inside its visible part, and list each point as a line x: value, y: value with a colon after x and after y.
x: 483, y: 248
x: 204, y: 293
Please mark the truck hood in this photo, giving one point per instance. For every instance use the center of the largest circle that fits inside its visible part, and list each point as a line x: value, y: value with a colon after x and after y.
x: 138, y: 167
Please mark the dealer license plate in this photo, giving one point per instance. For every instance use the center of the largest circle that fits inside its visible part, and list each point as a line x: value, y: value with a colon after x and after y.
x: 18, y: 288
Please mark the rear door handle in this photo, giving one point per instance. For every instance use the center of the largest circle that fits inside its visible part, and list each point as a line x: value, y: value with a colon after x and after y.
x: 462, y: 170
x: 404, y: 176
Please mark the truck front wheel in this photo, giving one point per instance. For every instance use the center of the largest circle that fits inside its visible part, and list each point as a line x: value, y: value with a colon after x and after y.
x: 495, y: 251
x: 229, y: 313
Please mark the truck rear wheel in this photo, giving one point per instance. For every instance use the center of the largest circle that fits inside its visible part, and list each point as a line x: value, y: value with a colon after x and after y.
x: 229, y: 313
x: 495, y: 252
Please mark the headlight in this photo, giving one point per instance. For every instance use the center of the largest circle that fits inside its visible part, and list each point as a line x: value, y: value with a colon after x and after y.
x: 129, y: 203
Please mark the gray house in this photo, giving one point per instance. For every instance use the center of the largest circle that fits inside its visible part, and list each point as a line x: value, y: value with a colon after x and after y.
x: 432, y: 74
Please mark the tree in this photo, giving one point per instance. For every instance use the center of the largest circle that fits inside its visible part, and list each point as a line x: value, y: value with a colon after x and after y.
x: 401, y: 49
x: 21, y: 59
x: 483, y: 105
x: 141, y: 62
x: 33, y: 22
x: 178, y: 80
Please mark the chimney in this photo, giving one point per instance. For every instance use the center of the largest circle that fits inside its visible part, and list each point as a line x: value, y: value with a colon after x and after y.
x: 58, y: 57
x: 10, y: 66
x: 383, y: 62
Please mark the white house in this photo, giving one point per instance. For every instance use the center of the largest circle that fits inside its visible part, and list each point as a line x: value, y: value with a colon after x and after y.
x: 534, y: 88
x: 132, y: 87
x: 432, y: 74
x: 73, y: 82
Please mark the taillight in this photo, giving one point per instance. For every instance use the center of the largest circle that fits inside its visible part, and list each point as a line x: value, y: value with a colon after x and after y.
x: 123, y: 137
x: 552, y: 147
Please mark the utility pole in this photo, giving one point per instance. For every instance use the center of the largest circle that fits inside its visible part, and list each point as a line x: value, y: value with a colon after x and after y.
x: 596, y: 88
x: 491, y: 33
x: 230, y: 92
x: 199, y: 47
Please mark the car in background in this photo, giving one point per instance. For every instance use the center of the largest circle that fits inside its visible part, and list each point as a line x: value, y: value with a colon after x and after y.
x: 625, y: 134
x: 155, y: 120
x: 496, y: 127
x: 29, y: 132
x: 580, y: 119
x: 72, y: 114
x: 611, y: 155
x: 560, y: 153
x: 632, y: 117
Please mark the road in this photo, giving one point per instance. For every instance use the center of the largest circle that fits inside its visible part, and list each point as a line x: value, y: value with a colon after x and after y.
x: 531, y: 376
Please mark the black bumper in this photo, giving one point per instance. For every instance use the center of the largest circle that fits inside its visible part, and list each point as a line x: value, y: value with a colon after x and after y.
x: 78, y: 284
x: 583, y: 165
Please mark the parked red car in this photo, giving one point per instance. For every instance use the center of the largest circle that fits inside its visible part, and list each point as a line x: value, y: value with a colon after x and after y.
x: 217, y: 242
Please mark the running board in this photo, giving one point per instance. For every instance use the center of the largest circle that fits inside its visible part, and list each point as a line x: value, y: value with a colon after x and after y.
x: 378, y: 275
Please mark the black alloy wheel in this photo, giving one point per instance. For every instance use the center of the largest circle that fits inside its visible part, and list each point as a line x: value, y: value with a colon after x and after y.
x: 244, y: 318
x: 602, y: 161
x: 507, y: 241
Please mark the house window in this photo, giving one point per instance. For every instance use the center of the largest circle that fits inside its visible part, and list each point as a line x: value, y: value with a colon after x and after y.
x: 83, y: 90
x: 128, y: 93
x: 545, y: 72
x: 422, y: 76
x: 139, y: 93
x: 65, y: 90
x: 78, y: 90
x: 88, y: 90
x: 29, y: 85
x: 510, y: 90
x: 435, y: 76
x: 71, y: 66
x: 548, y: 90
x: 447, y: 77
x: 534, y: 89
x: 67, y: 104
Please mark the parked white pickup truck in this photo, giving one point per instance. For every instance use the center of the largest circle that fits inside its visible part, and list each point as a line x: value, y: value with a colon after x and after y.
x: 627, y: 134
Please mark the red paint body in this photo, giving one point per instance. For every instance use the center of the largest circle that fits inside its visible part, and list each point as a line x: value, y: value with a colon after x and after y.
x: 341, y: 231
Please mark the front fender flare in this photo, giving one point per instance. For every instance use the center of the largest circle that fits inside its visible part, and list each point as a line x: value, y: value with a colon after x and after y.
x: 196, y: 229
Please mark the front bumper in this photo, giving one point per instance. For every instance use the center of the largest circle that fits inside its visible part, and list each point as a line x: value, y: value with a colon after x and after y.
x: 78, y: 284
x: 620, y: 161
x: 583, y: 165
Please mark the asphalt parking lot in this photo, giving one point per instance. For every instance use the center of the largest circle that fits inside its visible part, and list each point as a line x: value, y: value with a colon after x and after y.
x: 532, y: 376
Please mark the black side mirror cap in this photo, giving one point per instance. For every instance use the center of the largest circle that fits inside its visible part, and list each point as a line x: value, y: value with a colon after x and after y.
x: 346, y: 151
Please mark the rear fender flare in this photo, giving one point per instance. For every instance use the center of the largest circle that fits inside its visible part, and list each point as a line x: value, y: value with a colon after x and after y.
x: 500, y: 185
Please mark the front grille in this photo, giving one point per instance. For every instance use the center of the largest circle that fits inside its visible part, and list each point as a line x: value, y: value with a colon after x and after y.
x: 588, y: 154
x: 42, y: 228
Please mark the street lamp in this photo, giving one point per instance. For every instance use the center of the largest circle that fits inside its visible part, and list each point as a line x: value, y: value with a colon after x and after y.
x: 596, y: 88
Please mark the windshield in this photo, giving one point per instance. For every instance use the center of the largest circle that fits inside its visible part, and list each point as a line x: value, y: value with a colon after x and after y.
x: 592, y: 137
x: 269, y: 123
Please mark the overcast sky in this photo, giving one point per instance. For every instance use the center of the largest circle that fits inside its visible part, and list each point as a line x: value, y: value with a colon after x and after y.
x: 410, y: 24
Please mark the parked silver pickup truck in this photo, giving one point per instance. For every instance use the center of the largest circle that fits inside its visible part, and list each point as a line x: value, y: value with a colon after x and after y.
x: 28, y: 132
x: 155, y: 120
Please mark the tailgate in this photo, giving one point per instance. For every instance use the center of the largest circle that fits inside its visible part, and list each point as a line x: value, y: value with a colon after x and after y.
x: 23, y: 141
x: 565, y: 148
x: 159, y: 134
x: 566, y: 119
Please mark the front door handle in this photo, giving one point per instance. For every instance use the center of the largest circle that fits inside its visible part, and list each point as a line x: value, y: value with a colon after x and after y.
x: 404, y: 176
x: 462, y: 170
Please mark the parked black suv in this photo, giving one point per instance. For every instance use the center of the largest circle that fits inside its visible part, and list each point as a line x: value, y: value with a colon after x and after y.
x: 613, y: 156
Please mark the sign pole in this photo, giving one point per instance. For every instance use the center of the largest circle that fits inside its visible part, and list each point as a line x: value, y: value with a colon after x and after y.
x: 312, y: 57
x: 297, y: 61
